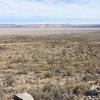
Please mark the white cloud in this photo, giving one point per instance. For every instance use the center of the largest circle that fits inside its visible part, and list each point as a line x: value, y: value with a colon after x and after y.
x: 51, y: 8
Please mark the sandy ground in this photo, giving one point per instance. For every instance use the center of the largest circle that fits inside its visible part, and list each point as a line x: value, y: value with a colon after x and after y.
x: 45, y: 31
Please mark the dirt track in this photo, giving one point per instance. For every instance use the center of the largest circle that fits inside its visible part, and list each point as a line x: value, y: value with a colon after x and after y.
x: 9, y: 44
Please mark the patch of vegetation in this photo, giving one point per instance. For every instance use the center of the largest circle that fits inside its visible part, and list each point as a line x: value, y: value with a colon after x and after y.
x: 59, y: 67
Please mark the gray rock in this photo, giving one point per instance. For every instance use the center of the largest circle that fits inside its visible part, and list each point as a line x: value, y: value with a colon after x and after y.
x: 23, y: 96
x: 89, y: 97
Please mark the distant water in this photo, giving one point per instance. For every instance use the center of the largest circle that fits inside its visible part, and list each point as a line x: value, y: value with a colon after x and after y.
x: 45, y: 31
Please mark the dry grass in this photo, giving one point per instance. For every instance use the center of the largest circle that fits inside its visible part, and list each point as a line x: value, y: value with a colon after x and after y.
x: 49, y: 68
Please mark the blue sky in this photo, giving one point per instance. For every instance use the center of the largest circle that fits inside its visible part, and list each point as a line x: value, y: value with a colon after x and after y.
x: 49, y: 11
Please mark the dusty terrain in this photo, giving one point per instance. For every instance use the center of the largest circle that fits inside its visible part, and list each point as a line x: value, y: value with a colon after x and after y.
x: 54, y: 67
x: 45, y: 31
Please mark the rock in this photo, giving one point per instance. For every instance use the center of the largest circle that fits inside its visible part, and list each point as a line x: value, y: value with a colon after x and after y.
x: 23, y: 96
x: 99, y: 95
x: 89, y: 97
x: 92, y: 93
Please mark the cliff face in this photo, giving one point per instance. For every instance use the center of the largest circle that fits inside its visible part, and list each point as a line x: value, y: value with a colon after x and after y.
x: 49, y: 26
x: 9, y: 26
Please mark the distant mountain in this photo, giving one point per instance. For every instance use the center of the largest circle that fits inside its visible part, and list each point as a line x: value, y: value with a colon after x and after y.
x: 9, y: 26
x: 50, y: 26
x: 88, y: 26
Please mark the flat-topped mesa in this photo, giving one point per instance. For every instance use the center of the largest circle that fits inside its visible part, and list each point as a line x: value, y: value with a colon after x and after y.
x: 50, y: 26
x: 23, y: 96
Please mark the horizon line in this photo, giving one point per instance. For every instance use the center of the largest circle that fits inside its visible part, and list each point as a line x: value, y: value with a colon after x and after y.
x: 48, y: 23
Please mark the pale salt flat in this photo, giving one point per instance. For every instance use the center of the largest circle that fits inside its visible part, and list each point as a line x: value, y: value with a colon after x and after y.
x: 45, y: 31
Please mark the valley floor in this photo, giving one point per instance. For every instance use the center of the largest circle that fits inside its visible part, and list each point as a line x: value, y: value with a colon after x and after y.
x: 59, y: 67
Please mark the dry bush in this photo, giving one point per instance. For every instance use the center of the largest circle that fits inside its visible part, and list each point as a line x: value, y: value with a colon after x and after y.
x: 69, y: 72
x: 2, y: 95
x: 9, y: 80
x: 50, y: 92
x: 70, y: 61
x: 49, y: 75
x: 90, y: 77
x: 80, y: 90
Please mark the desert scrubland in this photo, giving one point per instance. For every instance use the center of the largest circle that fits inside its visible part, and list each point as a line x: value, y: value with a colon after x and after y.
x: 51, y: 67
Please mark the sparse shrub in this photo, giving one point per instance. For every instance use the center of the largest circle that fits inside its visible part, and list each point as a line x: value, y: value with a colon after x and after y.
x: 37, y: 70
x: 2, y: 95
x: 3, y: 48
x: 22, y: 72
x: 80, y: 90
x: 16, y: 61
x: 19, y: 60
x: 22, y: 69
x: 45, y: 96
x: 9, y: 80
x: 91, y: 77
x: 88, y: 78
x: 98, y: 71
x: 9, y: 67
x: 69, y: 72
x: 67, y: 63
x: 50, y: 92
x: 58, y: 70
x: 50, y: 61
x: 49, y: 75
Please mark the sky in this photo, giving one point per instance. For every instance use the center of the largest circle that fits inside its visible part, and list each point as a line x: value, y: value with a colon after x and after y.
x: 49, y: 11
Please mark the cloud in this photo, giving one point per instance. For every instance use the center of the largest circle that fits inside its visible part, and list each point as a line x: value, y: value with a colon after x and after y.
x: 61, y: 9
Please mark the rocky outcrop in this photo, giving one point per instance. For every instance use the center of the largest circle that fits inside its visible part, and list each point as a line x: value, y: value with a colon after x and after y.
x: 49, y: 26
x: 9, y: 26
x: 23, y: 96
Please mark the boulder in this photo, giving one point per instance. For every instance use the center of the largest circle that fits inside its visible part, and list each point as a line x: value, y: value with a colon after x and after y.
x: 23, y: 96
x: 92, y: 93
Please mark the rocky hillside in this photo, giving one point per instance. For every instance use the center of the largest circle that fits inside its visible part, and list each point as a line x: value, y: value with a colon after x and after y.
x: 49, y: 26
x: 9, y: 26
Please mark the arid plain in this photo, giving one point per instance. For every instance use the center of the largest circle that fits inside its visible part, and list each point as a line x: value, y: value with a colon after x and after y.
x: 45, y: 31
x: 55, y: 65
